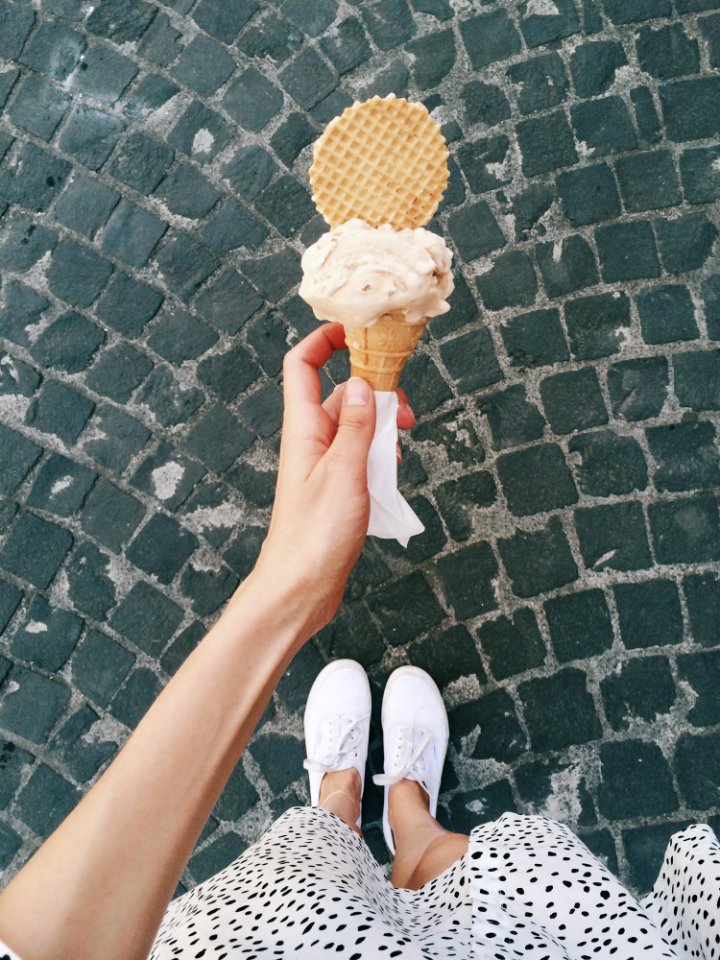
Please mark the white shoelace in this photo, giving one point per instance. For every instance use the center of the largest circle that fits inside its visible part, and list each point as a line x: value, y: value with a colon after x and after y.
x: 413, y: 768
x: 337, y: 753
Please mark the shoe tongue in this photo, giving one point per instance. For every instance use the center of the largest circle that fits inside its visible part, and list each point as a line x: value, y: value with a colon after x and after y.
x: 338, y: 739
x: 412, y: 737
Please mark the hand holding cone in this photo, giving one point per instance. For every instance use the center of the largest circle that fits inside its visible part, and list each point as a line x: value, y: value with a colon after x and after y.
x: 378, y: 174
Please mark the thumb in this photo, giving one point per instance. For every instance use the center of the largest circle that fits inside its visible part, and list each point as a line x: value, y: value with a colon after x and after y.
x: 356, y: 426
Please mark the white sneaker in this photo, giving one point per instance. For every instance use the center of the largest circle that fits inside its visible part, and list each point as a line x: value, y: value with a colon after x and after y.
x: 415, y: 734
x: 337, y: 723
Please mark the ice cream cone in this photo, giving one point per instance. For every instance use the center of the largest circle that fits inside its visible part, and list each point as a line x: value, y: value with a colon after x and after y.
x: 382, y: 164
x: 379, y: 352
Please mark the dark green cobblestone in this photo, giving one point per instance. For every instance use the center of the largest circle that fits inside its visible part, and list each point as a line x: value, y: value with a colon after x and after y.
x: 90, y: 589
x: 99, y: 666
x: 154, y: 205
x: 117, y: 437
x: 667, y: 52
x: 697, y: 379
x: 701, y: 671
x: 700, y: 176
x: 48, y: 636
x: 573, y: 401
x: 604, y: 126
x: 559, y: 710
x: 645, y: 848
x: 646, y: 115
x: 686, y: 530
x: 495, y: 714
x: 35, y: 705
x: 643, y: 688
x: 546, y: 144
x: 131, y: 234
x: 593, y: 66
x: 570, y: 268
x: 512, y: 646
x: 538, y: 562
x: 536, y: 480
x: 685, y: 456
x: 702, y: 595
x: 535, y: 339
x: 34, y: 549
x: 542, y: 80
x: 609, y: 463
x: 698, y: 763
x: 690, y: 108
x: 580, y: 625
x: 589, y: 194
x: 596, y: 324
x: 38, y: 107
x: 46, y: 799
x: 20, y: 454
x: 461, y: 500
x: 90, y: 134
x: 667, y: 314
x: 638, y: 388
x: 649, y: 613
x: 147, y: 618
x: 510, y: 283
x: 636, y: 781
x: 648, y: 181
x: 685, y: 243
x: 512, y: 419
x: 627, y: 251
x: 613, y: 537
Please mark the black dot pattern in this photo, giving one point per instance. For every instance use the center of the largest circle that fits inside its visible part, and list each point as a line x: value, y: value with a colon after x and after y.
x: 527, y: 888
x: 685, y: 901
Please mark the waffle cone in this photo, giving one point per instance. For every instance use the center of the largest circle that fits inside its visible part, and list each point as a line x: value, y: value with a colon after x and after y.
x: 384, y: 161
x: 379, y: 352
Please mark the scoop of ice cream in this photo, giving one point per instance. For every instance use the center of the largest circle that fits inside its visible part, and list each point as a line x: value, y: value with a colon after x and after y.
x: 356, y: 273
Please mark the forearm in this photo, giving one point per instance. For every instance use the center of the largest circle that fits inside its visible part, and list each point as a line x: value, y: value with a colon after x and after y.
x: 101, y: 883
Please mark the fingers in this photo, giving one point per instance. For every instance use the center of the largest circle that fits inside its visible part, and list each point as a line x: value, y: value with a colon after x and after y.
x: 356, y: 425
x: 405, y: 416
x: 333, y: 404
x: 301, y: 382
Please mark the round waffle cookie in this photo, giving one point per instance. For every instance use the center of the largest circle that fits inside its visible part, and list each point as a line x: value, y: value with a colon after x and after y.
x: 384, y: 161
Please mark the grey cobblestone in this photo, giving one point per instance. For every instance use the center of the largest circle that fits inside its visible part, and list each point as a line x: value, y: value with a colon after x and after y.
x: 153, y: 208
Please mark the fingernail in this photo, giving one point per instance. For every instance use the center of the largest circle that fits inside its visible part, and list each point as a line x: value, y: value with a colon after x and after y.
x: 357, y: 392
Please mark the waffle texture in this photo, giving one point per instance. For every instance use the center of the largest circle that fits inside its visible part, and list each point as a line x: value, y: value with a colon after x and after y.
x: 378, y: 353
x: 384, y: 161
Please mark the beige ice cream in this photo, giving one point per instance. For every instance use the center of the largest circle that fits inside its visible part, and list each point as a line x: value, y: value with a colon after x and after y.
x: 356, y: 273
x: 382, y: 285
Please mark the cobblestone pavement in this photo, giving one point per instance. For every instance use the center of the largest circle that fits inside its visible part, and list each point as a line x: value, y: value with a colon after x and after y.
x: 154, y: 206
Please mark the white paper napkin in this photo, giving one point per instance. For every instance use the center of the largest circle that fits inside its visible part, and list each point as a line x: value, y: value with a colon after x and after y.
x: 391, y: 516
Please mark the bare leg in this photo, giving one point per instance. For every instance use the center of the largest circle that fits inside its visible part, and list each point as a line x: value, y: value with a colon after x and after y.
x: 340, y: 794
x: 423, y: 849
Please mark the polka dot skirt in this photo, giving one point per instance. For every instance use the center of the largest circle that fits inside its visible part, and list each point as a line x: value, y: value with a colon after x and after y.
x: 527, y: 888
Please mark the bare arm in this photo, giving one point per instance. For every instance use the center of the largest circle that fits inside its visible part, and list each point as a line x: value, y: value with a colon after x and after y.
x: 98, y: 887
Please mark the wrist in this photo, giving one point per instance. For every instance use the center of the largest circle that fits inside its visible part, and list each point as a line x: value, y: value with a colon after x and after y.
x: 279, y: 603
